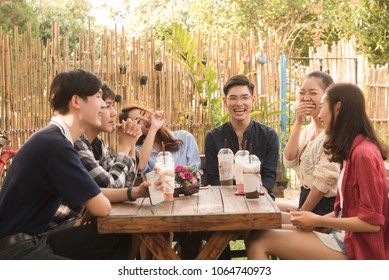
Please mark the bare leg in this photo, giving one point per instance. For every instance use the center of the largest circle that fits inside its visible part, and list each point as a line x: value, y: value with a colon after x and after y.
x: 290, y: 245
x: 285, y: 218
x: 286, y: 206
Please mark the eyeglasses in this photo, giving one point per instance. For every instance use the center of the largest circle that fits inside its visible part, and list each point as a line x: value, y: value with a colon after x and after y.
x: 235, y: 99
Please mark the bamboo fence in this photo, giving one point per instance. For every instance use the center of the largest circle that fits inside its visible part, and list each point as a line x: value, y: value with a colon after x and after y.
x: 28, y: 65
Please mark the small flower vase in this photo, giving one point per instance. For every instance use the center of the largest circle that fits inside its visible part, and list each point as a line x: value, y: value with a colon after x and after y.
x: 186, y: 190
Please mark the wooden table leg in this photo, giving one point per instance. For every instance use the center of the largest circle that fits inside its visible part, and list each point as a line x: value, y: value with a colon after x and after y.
x: 216, y: 244
x: 159, y: 246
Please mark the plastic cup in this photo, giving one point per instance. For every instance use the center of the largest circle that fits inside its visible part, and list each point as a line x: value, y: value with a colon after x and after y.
x: 251, y: 166
x: 226, y: 166
x: 238, y: 171
x: 165, y: 163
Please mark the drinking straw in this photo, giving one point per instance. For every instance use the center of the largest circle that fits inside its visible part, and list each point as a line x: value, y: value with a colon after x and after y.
x: 250, y: 150
x: 163, y: 152
x: 225, y: 142
x: 245, y: 144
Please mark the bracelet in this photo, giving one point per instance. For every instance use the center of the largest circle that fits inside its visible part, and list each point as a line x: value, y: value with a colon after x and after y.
x: 130, y: 198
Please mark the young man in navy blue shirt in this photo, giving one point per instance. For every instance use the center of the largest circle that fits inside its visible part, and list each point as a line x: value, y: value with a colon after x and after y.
x: 239, y: 100
x: 47, y: 171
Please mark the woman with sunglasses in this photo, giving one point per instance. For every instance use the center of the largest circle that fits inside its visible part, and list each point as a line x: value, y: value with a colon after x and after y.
x: 180, y: 143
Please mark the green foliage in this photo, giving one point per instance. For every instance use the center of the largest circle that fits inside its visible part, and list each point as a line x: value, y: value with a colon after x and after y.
x: 184, y: 50
x: 72, y: 17
x: 266, y: 111
x: 372, y: 29
x: 17, y: 13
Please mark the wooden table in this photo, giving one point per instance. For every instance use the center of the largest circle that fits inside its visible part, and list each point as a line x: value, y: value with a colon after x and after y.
x: 217, y: 210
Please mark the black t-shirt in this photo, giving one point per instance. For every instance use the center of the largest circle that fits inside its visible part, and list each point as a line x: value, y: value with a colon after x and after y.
x: 46, y: 172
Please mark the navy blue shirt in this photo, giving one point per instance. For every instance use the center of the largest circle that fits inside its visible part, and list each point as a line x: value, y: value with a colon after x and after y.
x: 265, y: 145
x: 46, y: 172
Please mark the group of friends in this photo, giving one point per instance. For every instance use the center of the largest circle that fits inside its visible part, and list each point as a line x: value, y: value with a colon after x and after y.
x: 65, y: 170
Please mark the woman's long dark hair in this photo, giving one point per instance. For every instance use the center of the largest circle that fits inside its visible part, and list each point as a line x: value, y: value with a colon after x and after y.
x: 171, y: 144
x: 351, y: 121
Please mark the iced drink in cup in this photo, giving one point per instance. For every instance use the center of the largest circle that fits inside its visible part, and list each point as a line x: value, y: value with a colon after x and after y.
x: 165, y: 162
x: 239, y: 171
x: 226, y: 166
x: 251, y: 166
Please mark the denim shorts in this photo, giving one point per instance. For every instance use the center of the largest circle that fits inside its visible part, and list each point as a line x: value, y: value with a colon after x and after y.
x: 333, y: 240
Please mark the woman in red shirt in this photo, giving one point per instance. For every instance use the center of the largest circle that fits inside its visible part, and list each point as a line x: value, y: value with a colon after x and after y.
x: 359, y: 227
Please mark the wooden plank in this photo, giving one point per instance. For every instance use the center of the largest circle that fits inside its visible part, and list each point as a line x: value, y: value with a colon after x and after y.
x: 126, y: 208
x: 210, y: 201
x: 212, y: 222
x: 233, y: 203
x: 162, y: 209
x: 263, y: 204
x: 159, y: 246
x: 186, y: 205
x: 216, y: 245
x: 146, y: 208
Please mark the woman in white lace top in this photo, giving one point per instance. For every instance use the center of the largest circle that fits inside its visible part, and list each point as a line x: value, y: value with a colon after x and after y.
x: 304, y: 151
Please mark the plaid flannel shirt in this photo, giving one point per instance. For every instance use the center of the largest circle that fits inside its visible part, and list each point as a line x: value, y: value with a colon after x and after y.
x: 107, y: 171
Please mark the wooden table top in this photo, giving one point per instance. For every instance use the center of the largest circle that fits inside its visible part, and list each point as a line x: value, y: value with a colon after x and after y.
x: 213, y: 209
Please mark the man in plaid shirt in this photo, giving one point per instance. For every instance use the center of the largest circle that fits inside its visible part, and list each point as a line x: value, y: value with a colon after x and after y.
x: 107, y: 170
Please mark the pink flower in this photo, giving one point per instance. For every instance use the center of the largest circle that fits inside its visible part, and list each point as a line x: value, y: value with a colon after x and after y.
x: 194, y: 181
x: 179, y: 168
x: 181, y: 175
x: 188, y: 175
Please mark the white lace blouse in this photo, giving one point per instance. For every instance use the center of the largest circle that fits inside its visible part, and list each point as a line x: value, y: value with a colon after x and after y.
x: 312, y: 165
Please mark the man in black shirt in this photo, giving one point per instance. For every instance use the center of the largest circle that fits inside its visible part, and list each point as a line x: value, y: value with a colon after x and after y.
x: 239, y: 99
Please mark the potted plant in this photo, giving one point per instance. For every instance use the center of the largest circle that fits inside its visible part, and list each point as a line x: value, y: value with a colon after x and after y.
x: 122, y: 69
x: 188, y: 180
x: 143, y: 80
x: 158, y: 66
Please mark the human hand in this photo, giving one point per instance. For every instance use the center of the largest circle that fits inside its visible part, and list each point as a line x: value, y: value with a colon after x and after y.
x: 87, y: 218
x: 129, y: 133
x: 304, y: 220
x: 160, y: 183
x: 158, y: 119
x: 143, y: 189
x: 303, y: 109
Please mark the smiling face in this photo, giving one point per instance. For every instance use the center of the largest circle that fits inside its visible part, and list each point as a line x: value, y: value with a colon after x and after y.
x: 142, y: 118
x: 312, y: 90
x: 92, y: 110
x: 109, y: 116
x: 325, y: 114
x: 239, y: 102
